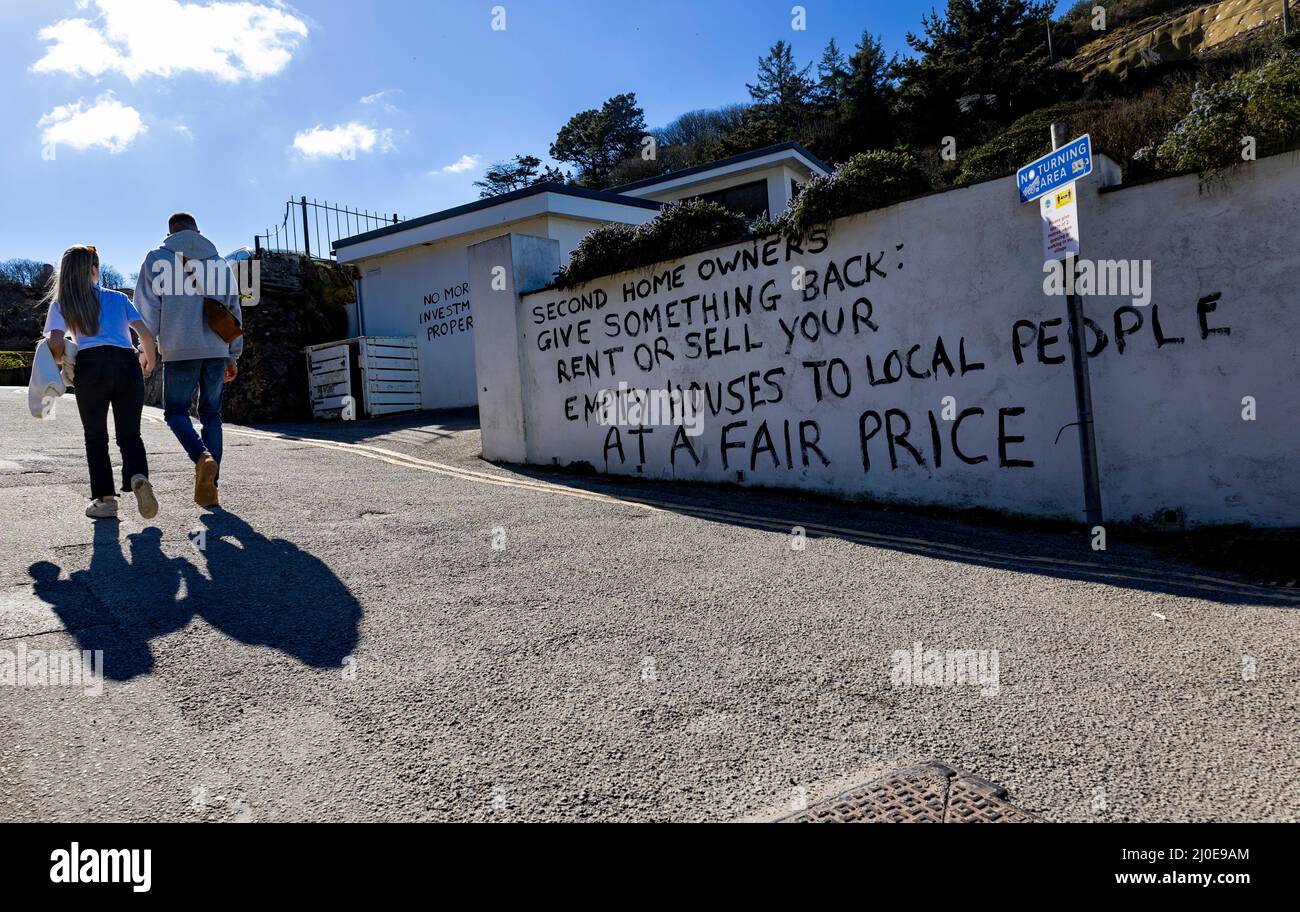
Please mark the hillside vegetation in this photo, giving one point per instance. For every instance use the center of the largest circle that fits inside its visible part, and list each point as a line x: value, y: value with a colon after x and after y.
x: 974, y: 96
x: 1163, y: 86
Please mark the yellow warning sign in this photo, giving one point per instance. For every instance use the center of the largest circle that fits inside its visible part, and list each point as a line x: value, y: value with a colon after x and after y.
x: 1065, y: 197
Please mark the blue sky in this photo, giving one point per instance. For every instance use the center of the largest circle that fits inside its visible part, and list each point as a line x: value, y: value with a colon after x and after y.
x: 118, y: 112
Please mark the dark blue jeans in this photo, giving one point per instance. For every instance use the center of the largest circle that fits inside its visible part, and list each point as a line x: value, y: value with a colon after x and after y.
x: 180, y: 379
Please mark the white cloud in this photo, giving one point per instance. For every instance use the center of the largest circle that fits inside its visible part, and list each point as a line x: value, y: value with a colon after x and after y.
x: 107, y: 124
x: 460, y: 166
x: 227, y: 40
x: 383, y: 98
x: 343, y: 141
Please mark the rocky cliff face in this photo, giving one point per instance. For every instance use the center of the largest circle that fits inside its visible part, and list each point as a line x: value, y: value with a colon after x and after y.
x: 1173, y: 36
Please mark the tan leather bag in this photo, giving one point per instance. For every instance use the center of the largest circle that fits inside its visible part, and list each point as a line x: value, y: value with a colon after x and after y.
x: 221, y: 321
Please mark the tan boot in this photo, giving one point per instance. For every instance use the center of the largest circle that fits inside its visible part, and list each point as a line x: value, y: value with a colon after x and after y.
x: 205, y: 482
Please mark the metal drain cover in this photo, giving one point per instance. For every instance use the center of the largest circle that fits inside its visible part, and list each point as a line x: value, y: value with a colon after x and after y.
x: 933, y: 793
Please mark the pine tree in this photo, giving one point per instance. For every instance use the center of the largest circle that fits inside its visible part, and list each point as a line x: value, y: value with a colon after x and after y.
x: 855, y: 99
x: 976, y: 63
x: 596, y: 141
x: 517, y: 174
x: 869, y: 97
x: 832, y: 77
x: 782, y: 90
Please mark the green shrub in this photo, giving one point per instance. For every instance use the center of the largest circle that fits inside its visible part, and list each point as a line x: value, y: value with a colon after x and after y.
x: 1263, y: 103
x: 1022, y: 142
x: 869, y: 180
x: 15, y: 360
x: 1123, y: 126
x: 765, y: 225
x: 678, y: 230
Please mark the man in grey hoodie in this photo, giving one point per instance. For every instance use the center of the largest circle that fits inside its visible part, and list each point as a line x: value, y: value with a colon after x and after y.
x: 173, y: 282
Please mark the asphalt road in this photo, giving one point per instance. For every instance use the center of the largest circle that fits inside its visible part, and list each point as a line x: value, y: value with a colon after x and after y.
x: 381, y: 626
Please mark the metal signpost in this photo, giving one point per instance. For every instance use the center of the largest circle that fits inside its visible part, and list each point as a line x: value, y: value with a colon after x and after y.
x: 1052, y: 179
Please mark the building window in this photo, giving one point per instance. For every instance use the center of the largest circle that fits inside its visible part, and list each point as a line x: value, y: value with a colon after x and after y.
x: 750, y: 200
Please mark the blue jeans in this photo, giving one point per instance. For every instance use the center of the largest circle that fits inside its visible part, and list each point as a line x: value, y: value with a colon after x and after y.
x: 180, y: 379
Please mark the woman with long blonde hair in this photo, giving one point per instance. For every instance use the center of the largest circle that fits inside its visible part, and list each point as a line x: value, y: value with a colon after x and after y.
x: 109, y: 374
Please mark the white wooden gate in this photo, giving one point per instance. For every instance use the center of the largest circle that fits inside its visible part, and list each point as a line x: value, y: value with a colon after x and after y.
x: 330, y: 378
x: 369, y: 376
x: 390, y: 374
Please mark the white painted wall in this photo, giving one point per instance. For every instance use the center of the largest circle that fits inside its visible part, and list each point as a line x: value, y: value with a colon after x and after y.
x: 502, y: 377
x: 963, y: 265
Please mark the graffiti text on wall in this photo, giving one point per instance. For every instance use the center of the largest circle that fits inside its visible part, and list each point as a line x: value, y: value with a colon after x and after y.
x: 817, y: 336
x: 446, y: 313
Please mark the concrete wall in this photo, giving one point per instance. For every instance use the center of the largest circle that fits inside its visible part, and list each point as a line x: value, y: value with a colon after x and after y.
x: 924, y: 364
x: 506, y: 268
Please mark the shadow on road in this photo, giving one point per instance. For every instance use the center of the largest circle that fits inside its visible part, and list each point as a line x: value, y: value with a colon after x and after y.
x: 434, y: 426
x: 270, y: 592
x: 982, y: 539
x: 259, y: 591
x: 117, y: 606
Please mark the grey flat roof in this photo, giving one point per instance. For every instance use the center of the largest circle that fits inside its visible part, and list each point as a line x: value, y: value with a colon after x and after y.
x: 722, y: 163
x: 563, y: 189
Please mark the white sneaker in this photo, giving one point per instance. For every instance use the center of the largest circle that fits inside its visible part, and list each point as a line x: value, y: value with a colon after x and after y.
x: 144, y: 499
x: 102, y: 509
